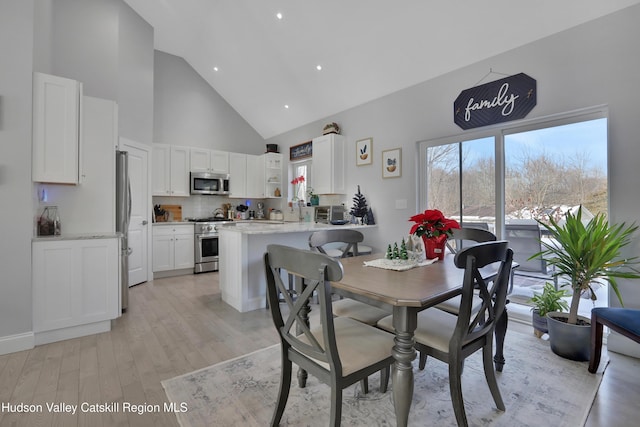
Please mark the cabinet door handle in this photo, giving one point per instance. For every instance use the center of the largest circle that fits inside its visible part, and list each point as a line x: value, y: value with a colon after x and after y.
x: 144, y: 222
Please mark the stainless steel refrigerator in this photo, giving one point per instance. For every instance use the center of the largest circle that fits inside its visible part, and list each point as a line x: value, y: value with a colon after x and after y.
x: 123, y: 215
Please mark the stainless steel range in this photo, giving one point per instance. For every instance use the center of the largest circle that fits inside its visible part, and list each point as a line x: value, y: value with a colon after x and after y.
x: 207, y: 250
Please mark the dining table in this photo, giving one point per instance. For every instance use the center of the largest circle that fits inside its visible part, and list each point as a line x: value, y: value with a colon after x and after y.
x: 408, y: 292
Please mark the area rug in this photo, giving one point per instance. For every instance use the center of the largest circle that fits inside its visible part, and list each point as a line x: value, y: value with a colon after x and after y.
x: 538, y: 389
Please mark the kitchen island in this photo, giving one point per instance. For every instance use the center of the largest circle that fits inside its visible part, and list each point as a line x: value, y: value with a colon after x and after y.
x: 242, y: 277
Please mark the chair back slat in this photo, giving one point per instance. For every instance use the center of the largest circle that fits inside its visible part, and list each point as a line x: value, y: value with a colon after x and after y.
x: 466, y: 236
x: 473, y: 324
x: 318, y: 239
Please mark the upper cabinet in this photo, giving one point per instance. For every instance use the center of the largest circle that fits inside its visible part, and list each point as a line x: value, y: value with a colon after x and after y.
x: 328, y: 164
x: 170, y: 170
x: 237, y: 175
x: 272, y: 174
x: 56, y: 129
x: 212, y: 161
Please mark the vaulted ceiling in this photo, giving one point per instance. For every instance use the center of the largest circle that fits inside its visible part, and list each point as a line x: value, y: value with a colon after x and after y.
x: 266, y: 67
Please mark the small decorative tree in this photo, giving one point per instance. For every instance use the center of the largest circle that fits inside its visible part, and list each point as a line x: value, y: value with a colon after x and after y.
x: 359, y: 209
x: 403, y: 250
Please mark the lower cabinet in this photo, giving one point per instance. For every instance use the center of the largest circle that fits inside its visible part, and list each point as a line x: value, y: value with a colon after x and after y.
x: 173, y: 247
x: 76, y: 287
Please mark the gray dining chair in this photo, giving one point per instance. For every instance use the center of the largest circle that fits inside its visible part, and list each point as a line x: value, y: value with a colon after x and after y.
x: 347, y: 307
x: 450, y: 338
x: 465, y: 237
x: 338, y: 351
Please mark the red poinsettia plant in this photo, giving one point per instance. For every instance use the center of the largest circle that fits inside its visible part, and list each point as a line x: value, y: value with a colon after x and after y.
x: 432, y: 224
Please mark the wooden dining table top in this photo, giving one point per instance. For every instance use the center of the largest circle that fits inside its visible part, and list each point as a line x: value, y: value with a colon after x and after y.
x: 418, y: 287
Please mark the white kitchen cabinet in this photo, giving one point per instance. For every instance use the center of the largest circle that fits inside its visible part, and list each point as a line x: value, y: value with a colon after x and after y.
x: 212, y: 161
x: 170, y: 170
x: 255, y: 177
x: 246, y: 176
x: 272, y: 174
x: 328, y: 164
x: 173, y: 247
x: 76, y: 288
x: 56, y: 129
x: 237, y: 175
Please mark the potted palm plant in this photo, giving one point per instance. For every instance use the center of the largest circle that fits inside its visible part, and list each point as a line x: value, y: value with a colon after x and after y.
x: 587, y: 255
x: 550, y: 300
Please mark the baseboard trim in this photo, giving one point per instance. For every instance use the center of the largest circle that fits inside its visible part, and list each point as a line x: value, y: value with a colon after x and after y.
x: 72, y: 332
x: 18, y: 342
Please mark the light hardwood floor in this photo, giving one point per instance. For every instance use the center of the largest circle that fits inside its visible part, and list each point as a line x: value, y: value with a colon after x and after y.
x: 177, y: 325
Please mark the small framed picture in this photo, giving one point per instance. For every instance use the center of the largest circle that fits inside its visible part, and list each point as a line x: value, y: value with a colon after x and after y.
x: 392, y: 163
x: 364, y: 152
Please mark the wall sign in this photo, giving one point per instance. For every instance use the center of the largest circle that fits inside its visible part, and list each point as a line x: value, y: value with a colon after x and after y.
x: 300, y: 151
x: 503, y: 100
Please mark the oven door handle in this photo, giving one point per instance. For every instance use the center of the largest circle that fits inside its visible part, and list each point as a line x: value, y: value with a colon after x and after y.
x: 206, y: 236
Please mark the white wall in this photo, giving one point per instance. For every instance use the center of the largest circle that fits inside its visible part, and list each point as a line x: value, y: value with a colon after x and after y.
x: 595, y: 63
x: 16, y: 64
x: 135, y: 76
x: 187, y: 111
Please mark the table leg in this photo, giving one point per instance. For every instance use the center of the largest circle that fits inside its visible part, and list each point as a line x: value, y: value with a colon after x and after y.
x: 500, y: 332
x: 404, y: 322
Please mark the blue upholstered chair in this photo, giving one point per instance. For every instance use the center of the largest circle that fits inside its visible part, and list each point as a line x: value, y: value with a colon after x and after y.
x: 625, y: 321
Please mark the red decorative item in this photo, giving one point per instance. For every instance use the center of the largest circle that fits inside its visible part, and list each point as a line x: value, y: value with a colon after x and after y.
x: 435, y: 246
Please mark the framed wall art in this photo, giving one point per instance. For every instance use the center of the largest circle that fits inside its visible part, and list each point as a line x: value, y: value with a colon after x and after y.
x: 364, y: 152
x: 300, y: 151
x: 392, y: 163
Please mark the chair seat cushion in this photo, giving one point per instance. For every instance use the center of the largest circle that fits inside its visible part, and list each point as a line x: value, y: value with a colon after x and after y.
x: 624, y: 318
x: 435, y: 328
x: 359, y: 311
x: 359, y: 345
x: 452, y: 305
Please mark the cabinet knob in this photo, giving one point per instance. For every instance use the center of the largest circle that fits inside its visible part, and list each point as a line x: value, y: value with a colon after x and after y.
x: 144, y: 222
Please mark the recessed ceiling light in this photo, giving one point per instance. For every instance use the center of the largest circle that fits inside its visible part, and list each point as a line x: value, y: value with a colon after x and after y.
x: 319, y: 67
x: 286, y: 106
x: 215, y: 68
x: 279, y: 15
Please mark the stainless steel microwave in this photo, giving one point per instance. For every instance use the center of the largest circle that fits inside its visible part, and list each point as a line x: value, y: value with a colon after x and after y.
x: 209, y: 183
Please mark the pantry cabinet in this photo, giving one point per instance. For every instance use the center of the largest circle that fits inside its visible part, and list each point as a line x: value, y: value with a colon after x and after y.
x: 173, y: 247
x: 170, y: 170
x: 76, y: 288
x: 56, y: 129
x: 328, y: 164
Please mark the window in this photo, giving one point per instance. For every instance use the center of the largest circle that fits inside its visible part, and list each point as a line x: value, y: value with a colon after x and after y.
x: 461, y: 180
x: 552, y: 169
x: 520, y: 174
x: 300, y: 169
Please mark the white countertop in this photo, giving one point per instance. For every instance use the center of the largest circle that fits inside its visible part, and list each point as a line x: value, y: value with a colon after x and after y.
x: 76, y: 237
x: 173, y: 223
x: 259, y: 227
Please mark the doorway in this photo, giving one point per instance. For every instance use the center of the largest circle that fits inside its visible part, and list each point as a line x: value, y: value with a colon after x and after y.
x: 139, y: 235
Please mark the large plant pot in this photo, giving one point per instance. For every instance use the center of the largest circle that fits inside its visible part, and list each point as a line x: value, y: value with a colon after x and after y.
x: 539, y: 323
x: 569, y: 341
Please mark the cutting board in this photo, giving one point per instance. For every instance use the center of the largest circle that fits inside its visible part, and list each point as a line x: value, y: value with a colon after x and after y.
x: 175, y: 212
